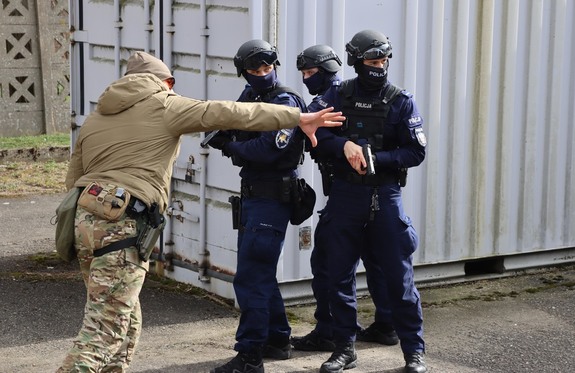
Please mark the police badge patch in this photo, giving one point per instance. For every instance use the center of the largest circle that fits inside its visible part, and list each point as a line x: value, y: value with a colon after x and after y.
x: 420, y: 136
x: 283, y: 137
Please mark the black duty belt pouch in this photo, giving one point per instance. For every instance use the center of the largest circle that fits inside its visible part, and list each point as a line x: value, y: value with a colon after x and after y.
x: 65, y: 217
x: 303, y: 201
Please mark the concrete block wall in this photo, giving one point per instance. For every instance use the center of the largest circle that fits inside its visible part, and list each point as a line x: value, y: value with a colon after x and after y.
x: 34, y: 67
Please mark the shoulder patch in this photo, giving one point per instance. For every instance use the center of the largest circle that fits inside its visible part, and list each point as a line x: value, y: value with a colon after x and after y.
x: 421, y: 139
x: 283, y: 137
x: 414, y: 121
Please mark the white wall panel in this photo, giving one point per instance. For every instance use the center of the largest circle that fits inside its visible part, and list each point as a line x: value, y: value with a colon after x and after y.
x: 493, y: 80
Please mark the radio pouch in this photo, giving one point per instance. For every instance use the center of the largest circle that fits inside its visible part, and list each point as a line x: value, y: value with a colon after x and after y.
x: 106, y: 201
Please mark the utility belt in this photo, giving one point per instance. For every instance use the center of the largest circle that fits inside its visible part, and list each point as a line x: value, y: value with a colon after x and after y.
x: 111, y: 202
x: 288, y: 190
x: 372, y: 180
x: 279, y: 190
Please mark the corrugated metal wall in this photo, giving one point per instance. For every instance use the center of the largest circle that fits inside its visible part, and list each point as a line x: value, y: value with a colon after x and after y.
x: 493, y: 81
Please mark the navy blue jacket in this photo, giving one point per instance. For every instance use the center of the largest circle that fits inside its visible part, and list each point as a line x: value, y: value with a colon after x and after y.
x: 403, y: 115
x: 264, y: 150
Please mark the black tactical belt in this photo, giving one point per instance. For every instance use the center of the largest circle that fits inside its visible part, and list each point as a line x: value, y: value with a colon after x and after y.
x: 264, y: 189
x: 372, y: 180
x: 118, y: 245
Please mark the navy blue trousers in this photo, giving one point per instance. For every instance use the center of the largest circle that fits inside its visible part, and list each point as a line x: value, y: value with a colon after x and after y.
x: 388, y: 239
x: 263, y: 318
x: 320, y: 285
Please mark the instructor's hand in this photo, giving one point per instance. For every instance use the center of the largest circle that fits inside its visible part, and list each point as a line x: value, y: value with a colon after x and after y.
x: 310, y: 122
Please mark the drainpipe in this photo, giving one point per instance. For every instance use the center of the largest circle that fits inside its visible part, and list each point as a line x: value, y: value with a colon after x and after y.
x: 118, y: 42
x: 168, y: 21
x: 169, y: 28
x: 148, y: 27
x: 204, y: 260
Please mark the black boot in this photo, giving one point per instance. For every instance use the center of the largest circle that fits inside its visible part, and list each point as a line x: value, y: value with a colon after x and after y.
x: 344, y: 357
x: 414, y: 363
x: 313, y: 342
x: 277, y: 352
x: 378, y: 333
x: 244, y: 362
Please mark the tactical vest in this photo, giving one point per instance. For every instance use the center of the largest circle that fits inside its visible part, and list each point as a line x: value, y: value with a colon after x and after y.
x: 366, y: 117
x: 293, y: 155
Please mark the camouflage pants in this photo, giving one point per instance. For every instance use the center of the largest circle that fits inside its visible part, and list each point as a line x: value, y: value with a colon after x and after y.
x: 112, y: 316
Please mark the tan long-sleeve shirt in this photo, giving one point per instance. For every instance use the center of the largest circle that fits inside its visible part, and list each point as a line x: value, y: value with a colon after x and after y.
x: 133, y: 137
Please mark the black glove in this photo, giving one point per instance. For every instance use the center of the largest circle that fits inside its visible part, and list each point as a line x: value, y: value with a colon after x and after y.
x: 220, y: 141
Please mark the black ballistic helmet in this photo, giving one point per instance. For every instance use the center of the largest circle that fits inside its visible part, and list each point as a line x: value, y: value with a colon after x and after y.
x: 322, y: 56
x: 367, y: 45
x: 252, y: 54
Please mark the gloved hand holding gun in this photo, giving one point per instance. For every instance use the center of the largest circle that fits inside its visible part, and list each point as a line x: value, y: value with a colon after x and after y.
x: 218, y: 140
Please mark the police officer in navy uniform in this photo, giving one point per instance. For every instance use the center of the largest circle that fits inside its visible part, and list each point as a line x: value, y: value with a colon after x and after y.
x: 319, y: 65
x: 365, y: 212
x: 268, y: 162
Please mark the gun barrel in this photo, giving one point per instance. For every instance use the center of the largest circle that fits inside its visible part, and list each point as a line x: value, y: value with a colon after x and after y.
x: 207, y: 139
x: 370, y: 169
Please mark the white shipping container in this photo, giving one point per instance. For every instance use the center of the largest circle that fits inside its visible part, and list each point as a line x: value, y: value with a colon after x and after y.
x: 493, y: 80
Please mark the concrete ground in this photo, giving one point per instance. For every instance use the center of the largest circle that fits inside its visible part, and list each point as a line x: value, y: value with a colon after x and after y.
x: 521, y: 323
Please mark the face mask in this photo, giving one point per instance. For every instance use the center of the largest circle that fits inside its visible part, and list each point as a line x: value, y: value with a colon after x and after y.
x: 372, y: 78
x: 261, y: 83
x: 315, y: 83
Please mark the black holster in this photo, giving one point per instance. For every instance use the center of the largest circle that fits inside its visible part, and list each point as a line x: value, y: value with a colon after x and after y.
x: 150, y: 233
x: 402, y: 173
x: 236, y: 211
x: 326, y: 171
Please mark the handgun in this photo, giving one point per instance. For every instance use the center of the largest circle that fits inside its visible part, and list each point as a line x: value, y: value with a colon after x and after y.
x: 209, y: 136
x: 370, y: 168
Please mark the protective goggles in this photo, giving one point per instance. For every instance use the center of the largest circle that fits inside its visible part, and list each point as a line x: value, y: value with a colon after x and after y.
x: 375, y: 53
x: 254, y: 61
x: 302, y: 60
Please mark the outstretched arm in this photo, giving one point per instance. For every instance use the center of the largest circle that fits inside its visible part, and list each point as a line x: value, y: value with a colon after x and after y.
x: 310, y: 122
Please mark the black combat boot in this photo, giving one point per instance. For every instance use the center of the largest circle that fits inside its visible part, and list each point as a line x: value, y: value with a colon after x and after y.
x: 378, y: 333
x: 344, y: 357
x: 414, y: 363
x: 277, y: 348
x: 313, y: 342
x: 244, y: 362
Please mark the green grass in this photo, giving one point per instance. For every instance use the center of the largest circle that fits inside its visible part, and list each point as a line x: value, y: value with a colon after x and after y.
x: 40, y: 141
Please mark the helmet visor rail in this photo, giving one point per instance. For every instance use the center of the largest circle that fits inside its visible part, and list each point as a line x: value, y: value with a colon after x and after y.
x: 301, y: 60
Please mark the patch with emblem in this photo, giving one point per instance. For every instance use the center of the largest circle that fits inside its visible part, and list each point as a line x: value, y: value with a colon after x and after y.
x: 421, y: 139
x: 413, y: 121
x: 283, y: 137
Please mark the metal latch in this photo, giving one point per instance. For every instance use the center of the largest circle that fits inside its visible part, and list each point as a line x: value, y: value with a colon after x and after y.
x: 190, y: 171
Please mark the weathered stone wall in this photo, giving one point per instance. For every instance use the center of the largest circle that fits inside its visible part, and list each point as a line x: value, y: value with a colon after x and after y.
x: 34, y: 67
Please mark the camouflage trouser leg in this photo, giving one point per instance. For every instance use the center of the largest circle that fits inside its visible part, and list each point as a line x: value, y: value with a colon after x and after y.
x: 112, y: 316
